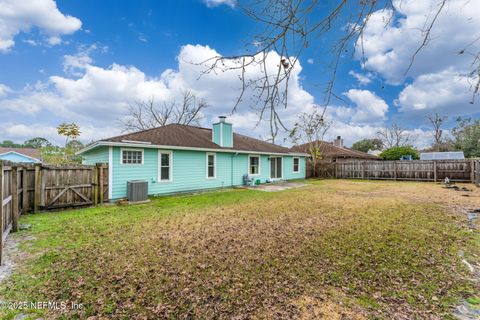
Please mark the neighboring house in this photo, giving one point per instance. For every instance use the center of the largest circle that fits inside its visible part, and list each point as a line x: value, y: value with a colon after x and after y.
x: 178, y: 158
x: 448, y: 155
x: 331, y: 152
x: 25, y: 155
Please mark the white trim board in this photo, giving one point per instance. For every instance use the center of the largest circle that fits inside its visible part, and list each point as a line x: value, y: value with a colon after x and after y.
x: 110, y: 173
x: 158, y: 146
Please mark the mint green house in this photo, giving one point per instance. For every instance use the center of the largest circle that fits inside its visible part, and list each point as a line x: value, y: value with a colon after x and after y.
x: 179, y: 158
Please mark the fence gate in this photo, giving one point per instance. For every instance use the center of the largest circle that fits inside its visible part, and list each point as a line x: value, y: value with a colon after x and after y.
x: 25, y: 188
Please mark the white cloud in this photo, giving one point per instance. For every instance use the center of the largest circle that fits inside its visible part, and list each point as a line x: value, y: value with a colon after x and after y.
x: 388, y: 44
x: 21, y: 132
x: 369, y: 107
x: 445, y: 92
x: 310, y: 61
x: 216, y: 3
x: 21, y: 16
x: 363, y: 79
x: 4, y: 90
x: 94, y: 95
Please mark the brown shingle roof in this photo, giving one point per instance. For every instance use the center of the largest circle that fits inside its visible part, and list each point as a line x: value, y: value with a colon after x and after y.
x: 29, y: 152
x: 196, y: 137
x: 328, y: 150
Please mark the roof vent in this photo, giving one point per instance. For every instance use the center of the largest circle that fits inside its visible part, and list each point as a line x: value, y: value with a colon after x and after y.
x: 222, y: 118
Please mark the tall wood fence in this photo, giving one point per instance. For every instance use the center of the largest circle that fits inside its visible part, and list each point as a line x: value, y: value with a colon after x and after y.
x: 417, y: 170
x: 34, y: 188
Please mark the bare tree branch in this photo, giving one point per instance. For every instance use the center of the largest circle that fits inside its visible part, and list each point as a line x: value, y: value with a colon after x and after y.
x: 146, y: 114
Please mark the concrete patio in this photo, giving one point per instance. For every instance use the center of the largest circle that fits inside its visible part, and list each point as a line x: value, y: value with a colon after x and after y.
x: 278, y: 186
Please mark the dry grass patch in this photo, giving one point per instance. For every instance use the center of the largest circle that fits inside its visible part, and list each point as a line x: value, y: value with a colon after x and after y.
x: 334, y: 249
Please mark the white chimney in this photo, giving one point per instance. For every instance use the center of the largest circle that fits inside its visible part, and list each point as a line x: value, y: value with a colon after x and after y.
x: 338, y: 142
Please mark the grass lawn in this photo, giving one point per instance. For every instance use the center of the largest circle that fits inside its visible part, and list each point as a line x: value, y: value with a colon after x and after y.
x: 334, y: 249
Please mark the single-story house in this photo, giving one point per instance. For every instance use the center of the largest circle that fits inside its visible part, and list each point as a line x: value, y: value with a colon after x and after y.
x: 25, y: 155
x: 179, y: 158
x: 331, y: 152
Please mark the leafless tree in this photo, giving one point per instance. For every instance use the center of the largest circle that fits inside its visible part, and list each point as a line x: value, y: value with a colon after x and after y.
x: 310, y: 130
x: 287, y: 27
x: 394, y: 136
x: 437, y: 122
x: 146, y: 114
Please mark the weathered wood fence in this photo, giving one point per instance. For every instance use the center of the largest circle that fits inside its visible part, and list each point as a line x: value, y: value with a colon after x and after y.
x: 417, y: 170
x: 34, y: 188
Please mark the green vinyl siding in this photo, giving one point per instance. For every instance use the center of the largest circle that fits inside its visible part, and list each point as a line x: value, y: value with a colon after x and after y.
x: 94, y: 156
x: 189, y: 171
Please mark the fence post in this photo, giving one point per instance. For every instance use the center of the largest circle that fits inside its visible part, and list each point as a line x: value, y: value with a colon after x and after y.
x: 472, y: 171
x: 25, y: 191
x: 395, y: 170
x: 101, y: 190
x: 14, y: 199
x: 435, y: 171
x: 1, y: 213
x: 38, y: 189
x: 477, y: 171
x: 95, y: 185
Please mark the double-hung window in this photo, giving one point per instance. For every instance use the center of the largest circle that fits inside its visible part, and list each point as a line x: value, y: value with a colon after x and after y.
x: 131, y: 156
x: 254, y: 165
x: 211, y: 165
x: 296, y: 165
x: 165, y: 170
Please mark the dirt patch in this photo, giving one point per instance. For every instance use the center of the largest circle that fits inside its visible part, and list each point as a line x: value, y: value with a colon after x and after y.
x: 12, y: 254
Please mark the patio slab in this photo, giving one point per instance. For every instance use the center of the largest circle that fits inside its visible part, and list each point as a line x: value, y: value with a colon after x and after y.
x: 275, y: 187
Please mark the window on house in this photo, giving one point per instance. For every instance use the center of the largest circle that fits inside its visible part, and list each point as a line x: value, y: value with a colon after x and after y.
x: 165, y: 166
x: 254, y: 165
x: 132, y: 156
x: 210, y: 165
x: 296, y: 164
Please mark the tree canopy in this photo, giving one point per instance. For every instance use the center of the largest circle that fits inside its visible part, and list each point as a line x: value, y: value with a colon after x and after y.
x: 365, y: 145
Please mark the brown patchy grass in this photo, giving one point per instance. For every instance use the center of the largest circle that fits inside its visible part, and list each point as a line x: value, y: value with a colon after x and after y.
x: 333, y: 250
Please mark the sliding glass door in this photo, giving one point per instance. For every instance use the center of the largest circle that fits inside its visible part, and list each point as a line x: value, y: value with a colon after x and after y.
x: 276, y: 167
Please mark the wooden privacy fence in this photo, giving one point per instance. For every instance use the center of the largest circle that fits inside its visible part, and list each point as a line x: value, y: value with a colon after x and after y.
x: 34, y: 188
x: 417, y: 170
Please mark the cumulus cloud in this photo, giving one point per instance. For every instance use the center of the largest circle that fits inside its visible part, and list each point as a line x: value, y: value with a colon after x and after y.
x: 363, y: 79
x: 21, y: 16
x: 445, y: 91
x: 21, y: 132
x: 100, y: 95
x: 388, y: 44
x: 4, y: 90
x: 369, y: 107
x: 97, y: 97
x: 216, y: 3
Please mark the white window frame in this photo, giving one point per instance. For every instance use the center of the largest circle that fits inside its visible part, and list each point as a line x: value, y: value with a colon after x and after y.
x: 270, y: 164
x: 170, y: 173
x: 214, y: 164
x: 249, y: 165
x: 131, y: 149
x: 293, y: 164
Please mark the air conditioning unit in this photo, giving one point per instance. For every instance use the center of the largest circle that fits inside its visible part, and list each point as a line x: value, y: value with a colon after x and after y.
x: 137, y: 190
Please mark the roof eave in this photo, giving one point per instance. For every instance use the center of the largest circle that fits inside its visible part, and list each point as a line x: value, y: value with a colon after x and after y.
x: 156, y: 146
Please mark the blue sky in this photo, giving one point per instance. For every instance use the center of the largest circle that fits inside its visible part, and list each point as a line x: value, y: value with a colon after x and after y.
x: 85, y: 61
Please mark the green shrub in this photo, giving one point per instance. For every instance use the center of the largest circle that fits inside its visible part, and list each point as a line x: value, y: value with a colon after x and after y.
x: 396, y: 153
